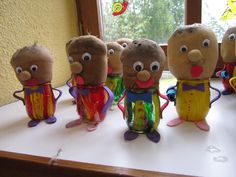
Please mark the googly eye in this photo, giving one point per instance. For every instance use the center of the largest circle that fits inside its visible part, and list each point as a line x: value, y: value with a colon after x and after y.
x: 86, y: 56
x: 232, y: 36
x: 124, y: 45
x: 111, y: 51
x: 155, y: 66
x: 138, y: 66
x: 19, y: 70
x: 183, y: 48
x: 70, y: 59
x: 34, y: 68
x: 206, y: 43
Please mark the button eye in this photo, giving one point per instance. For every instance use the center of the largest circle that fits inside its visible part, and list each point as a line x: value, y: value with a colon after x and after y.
x: 70, y: 59
x: 111, y: 51
x: 232, y: 36
x: 124, y: 45
x: 155, y: 66
x: 183, y: 48
x: 138, y: 66
x: 206, y: 43
x: 19, y: 70
x: 34, y: 68
x: 86, y: 56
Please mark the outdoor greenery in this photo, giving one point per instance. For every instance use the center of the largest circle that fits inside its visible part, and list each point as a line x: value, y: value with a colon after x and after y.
x: 153, y: 19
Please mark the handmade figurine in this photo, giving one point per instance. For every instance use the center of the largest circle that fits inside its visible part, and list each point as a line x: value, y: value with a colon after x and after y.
x: 232, y: 82
x: 192, y: 56
x: 228, y: 53
x: 88, y: 63
x: 114, y: 77
x: 143, y: 62
x: 33, y: 68
x: 124, y: 42
x: 71, y: 83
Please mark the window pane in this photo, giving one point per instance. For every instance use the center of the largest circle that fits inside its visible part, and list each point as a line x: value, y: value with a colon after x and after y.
x: 153, y: 19
x: 212, y: 11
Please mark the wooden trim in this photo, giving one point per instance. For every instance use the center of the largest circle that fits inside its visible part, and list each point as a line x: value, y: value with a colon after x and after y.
x: 193, y: 11
x: 89, y: 17
x: 22, y: 165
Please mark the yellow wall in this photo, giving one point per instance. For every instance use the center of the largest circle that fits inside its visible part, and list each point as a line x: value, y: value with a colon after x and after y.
x: 51, y: 23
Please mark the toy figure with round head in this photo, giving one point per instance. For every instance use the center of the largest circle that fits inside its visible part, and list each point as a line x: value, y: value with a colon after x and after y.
x: 71, y: 83
x: 124, y: 42
x: 228, y: 53
x: 87, y: 56
x: 33, y: 68
x: 114, y: 77
x: 192, y: 56
x: 143, y: 62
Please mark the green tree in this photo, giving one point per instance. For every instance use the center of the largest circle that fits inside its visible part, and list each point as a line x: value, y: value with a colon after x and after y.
x: 153, y: 19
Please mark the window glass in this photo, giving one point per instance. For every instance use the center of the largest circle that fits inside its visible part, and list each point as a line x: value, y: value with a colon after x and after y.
x: 212, y: 11
x: 153, y: 19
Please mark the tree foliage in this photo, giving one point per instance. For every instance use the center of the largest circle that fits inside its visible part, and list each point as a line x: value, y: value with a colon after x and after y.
x: 153, y: 19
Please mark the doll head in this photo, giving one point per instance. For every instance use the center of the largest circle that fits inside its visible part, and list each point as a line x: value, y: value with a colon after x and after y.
x: 192, y: 52
x: 143, y: 62
x: 32, y: 65
x: 228, y: 45
x: 124, y: 42
x: 113, y: 55
x: 88, y: 60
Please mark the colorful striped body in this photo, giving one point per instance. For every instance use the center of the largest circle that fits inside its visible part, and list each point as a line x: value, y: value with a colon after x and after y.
x: 115, y: 84
x: 39, y: 101
x: 231, y: 69
x: 193, y: 104
x: 142, y: 111
x: 90, y: 102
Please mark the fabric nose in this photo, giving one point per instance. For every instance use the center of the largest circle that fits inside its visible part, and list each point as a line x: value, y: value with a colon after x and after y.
x: 76, y: 68
x: 143, y: 75
x: 24, y: 76
x: 195, y: 55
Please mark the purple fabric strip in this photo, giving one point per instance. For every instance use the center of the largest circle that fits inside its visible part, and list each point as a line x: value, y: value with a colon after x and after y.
x: 109, y: 101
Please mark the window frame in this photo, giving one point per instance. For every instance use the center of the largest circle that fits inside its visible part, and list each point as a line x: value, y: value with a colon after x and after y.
x: 89, y: 21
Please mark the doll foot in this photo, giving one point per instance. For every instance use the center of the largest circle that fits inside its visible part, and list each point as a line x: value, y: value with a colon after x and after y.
x: 226, y: 92
x: 130, y: 135
x: 51, y: 120
x: 154, y: 136
x: 74, y: 123
x: 175, y: 122
x: 91, y: 127
x: 33, y: 123
x: 202, y: 125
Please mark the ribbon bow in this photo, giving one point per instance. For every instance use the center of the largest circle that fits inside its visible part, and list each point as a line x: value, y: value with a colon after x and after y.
x: 30, y: 90
x: 132, y: 97
x: 199, y: 87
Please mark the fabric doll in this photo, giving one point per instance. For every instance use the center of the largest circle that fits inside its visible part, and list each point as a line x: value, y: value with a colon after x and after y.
x: 124, y: 42
x: 88, y: 64
x: 71, y: 83
x: 228, y: 53
x: 192, y: 56
x: 233, y: 83
x: 33, y: 68
x: 143, y: 62
x: 114, y: 76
